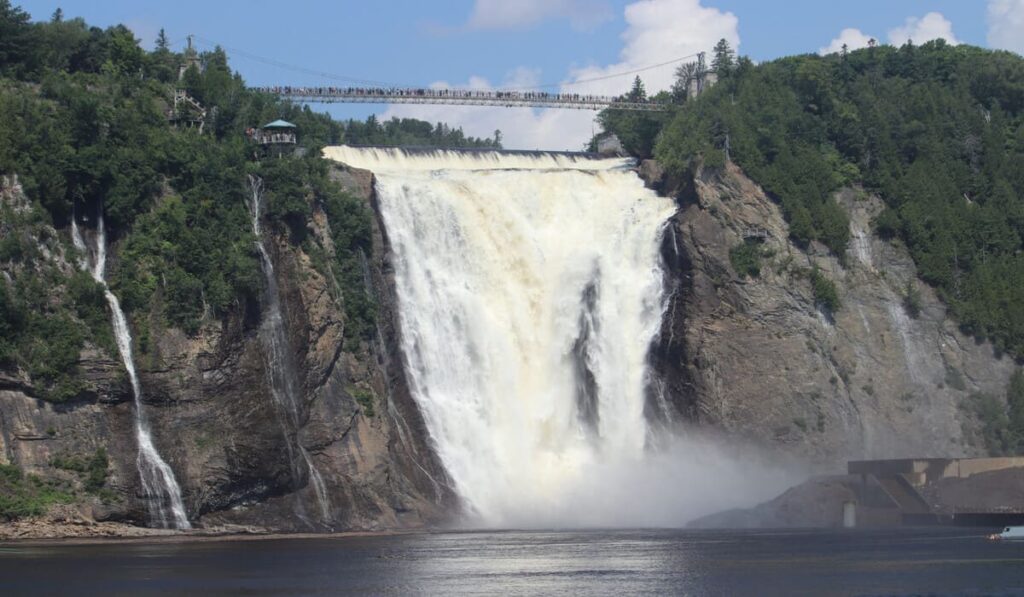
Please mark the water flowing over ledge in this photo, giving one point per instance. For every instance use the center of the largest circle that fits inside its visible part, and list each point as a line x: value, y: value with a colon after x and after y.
x: 529, y: 289
x: 394, y: 159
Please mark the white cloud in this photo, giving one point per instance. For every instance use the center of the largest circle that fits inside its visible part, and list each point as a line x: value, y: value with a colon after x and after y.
x: 854, y: 39
x: 931, y: 26
x: 521, y: 128
x: 656, y: 31
x: 1006, y: 25
x: 515, y: 14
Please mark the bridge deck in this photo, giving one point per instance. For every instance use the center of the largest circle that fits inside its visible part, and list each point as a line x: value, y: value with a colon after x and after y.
x: 460, y: 97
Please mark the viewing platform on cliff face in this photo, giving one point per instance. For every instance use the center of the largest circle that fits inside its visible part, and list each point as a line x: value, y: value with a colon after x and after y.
x: 461, y: 97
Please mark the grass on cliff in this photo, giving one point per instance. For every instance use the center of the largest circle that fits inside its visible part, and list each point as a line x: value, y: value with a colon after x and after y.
x: 24, y: 495
x: 92, y: 471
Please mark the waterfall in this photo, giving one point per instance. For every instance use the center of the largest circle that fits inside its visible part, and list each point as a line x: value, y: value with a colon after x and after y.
x: 281, y: 369
x: 530, y: 288
x: 862, y: 247
x: 911, y: 353
x: 160, y: 488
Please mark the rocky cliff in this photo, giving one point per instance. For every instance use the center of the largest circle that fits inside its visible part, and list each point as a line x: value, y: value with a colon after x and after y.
x: 214, y: 420
x: 756, y: 355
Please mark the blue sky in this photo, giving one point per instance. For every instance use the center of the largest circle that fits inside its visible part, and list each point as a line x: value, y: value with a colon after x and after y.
x: 491, y: 43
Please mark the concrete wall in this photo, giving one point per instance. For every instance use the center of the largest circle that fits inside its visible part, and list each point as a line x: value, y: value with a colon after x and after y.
x: 919, y: 471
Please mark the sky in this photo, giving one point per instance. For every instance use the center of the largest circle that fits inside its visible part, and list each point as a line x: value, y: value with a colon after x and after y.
x: 526, y: 43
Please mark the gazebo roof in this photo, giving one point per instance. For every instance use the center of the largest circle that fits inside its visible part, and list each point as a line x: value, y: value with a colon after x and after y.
x: 280, y: 124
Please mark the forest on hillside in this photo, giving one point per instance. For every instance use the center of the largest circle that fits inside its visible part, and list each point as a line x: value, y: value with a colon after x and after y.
x: 937, y: 131
x: 84, y: 128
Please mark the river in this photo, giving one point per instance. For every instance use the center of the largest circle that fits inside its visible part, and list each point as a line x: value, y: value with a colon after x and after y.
x: 623, y: 562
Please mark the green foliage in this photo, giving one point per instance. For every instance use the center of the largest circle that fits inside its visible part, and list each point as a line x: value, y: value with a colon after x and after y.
x: 410, y: 132
x: 825, y: 293
x: 90, y: 305
x: 39, y: 335
x: 366, y: 401
x: 91, y: 470
x: 912, y: 300
x: 83, y: 126
x: 937, y: 131
x: 352, y: 236
x: 723, y: 59
x: 27, y: 495
x: 746, y: 258
x: 1002, y: 421
x: 995, y: 425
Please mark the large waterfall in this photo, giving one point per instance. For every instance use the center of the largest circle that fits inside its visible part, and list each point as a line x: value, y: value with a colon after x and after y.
x: 529, y: 288
x: 159, y: 487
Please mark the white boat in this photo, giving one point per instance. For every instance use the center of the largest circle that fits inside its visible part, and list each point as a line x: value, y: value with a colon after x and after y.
x: 1009, y: 534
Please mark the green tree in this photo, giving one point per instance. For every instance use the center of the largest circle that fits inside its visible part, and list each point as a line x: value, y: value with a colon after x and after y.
x: 17, y: 44
x: 723, y: 59
x: 637, y: 93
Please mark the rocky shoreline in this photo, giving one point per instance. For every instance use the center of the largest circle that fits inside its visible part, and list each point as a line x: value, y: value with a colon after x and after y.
x: 55, y: 529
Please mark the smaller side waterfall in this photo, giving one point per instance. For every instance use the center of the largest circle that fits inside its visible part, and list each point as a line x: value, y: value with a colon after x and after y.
x: 911, y: 353
x: 160, y: 488
x: 281, y: 369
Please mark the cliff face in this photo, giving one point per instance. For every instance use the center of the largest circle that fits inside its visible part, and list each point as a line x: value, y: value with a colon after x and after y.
x: 756, y: 357
x: 214, y: 420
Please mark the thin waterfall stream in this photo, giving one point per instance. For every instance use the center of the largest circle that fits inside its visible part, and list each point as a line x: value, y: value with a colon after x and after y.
x: 281, y: 368
x: 159, y: 486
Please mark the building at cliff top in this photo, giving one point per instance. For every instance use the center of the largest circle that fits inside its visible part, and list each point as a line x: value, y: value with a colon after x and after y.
x: 275, y: 138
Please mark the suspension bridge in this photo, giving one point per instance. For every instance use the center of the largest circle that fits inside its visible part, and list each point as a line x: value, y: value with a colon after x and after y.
x: 460, y: 97
x: 373, y: 92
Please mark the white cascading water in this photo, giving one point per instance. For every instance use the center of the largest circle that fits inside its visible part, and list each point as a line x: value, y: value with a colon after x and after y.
x: 281, y: 370
x: 160, y: 488
x: 530, y: 288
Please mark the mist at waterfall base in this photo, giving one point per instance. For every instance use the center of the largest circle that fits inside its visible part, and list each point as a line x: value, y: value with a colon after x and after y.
x: 530, y: 287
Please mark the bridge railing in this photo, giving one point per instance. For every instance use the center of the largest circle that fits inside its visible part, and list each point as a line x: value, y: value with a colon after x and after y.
x: 465, y: 97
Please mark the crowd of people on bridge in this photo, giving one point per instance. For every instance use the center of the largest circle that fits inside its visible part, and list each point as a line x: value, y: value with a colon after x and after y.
x: 466, y: 94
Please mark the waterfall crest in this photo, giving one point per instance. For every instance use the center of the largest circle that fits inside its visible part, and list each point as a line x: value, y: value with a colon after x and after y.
x: 529, y: 289
x: 159, y: 486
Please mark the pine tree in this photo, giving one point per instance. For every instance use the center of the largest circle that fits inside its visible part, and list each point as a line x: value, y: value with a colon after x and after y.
x: 724, y: 59
x: 162, y: 44
x: 686, y: 75
x: 637, y: 93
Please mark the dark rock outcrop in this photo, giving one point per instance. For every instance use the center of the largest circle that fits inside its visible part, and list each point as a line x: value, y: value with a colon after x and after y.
x: 756, y: 357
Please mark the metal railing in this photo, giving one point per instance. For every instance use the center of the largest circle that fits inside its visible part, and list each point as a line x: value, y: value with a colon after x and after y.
x: 460, y: 97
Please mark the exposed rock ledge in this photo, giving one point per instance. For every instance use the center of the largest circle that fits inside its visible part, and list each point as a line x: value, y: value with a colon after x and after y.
x: 756, y: 358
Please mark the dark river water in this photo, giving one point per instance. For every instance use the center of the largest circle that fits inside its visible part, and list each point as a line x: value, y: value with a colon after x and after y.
x: 908, y: 562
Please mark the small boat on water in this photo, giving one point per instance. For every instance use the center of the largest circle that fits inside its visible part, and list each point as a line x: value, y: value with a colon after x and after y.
x: 1009, y: 534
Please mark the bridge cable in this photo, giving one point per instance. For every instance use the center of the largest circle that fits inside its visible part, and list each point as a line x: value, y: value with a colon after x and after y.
x: 292, y: 67
x: 611, y: 76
